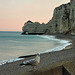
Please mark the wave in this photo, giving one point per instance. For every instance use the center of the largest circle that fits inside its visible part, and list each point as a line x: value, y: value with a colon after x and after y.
x: 53, y: 38
x: 10, y: 60
x: 58, y: 48
x: 64, y: 43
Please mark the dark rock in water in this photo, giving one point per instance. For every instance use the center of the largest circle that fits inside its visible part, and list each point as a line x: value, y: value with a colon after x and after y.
x: 34, y: 28
x: 23, y: 33
x: 27, y: 56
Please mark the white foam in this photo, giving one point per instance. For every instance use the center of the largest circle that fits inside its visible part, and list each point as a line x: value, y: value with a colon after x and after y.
x: 58, y: 48
x: 54, y: 39
x: 10, y: 60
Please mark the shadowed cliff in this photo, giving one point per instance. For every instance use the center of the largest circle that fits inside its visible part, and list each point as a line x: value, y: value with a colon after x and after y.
x: 63, y: 21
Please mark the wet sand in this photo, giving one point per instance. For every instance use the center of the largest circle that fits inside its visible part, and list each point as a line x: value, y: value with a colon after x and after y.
x: 67, y: 54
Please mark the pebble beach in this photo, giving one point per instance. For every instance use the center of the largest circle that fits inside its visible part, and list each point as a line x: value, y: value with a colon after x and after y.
x: 67, y: 54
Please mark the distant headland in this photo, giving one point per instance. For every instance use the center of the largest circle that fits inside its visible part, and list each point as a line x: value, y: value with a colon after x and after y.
x: 63, y: 21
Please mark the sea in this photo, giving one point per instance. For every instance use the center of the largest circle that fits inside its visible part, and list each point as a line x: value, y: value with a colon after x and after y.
x: 13, y: 45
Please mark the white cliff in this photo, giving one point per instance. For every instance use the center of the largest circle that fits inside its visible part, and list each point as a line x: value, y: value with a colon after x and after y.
x: 63, y: 21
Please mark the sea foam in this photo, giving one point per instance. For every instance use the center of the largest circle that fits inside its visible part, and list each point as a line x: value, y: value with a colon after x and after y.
x: 10, y: 60
x: 58, y: 48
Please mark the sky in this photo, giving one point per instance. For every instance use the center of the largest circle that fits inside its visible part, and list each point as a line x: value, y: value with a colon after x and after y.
x: 14, y: 13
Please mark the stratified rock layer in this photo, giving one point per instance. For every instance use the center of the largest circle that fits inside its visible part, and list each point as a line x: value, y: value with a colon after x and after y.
x: 34, y: 28
x: 63, y: 21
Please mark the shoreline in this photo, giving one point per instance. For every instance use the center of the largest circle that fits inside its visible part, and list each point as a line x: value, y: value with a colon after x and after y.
x: 49, y: 37
x: 13, y: 68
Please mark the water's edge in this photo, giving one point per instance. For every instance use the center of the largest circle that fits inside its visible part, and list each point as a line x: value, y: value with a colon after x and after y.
x: 58, y: 48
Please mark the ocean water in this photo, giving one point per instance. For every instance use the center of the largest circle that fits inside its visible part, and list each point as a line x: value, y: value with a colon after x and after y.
x: 13, y: 45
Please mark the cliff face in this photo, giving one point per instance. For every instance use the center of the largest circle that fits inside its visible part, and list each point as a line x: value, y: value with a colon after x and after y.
x: 63, y: 21
x: 60, y: 22
x: 34, y: 28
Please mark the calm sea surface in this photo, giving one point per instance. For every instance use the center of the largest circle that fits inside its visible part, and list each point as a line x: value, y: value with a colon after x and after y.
x: 13, y: 44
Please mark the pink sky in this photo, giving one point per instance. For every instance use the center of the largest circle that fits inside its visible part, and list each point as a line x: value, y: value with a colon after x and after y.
x: 14, y: 13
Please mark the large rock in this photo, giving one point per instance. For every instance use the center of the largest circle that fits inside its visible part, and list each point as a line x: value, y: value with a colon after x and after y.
x: 60, y: 21
x: 34, y: 28
x: 63, y: 21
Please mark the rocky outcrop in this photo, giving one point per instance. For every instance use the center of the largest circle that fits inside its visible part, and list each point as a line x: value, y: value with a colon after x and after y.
x: 34, y: 28
x: 63, y: 21
x: 60, y: 22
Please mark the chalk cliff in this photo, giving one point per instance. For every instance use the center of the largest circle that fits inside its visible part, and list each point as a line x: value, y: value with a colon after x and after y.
x: 63, y: 21
x: 34, y: 28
